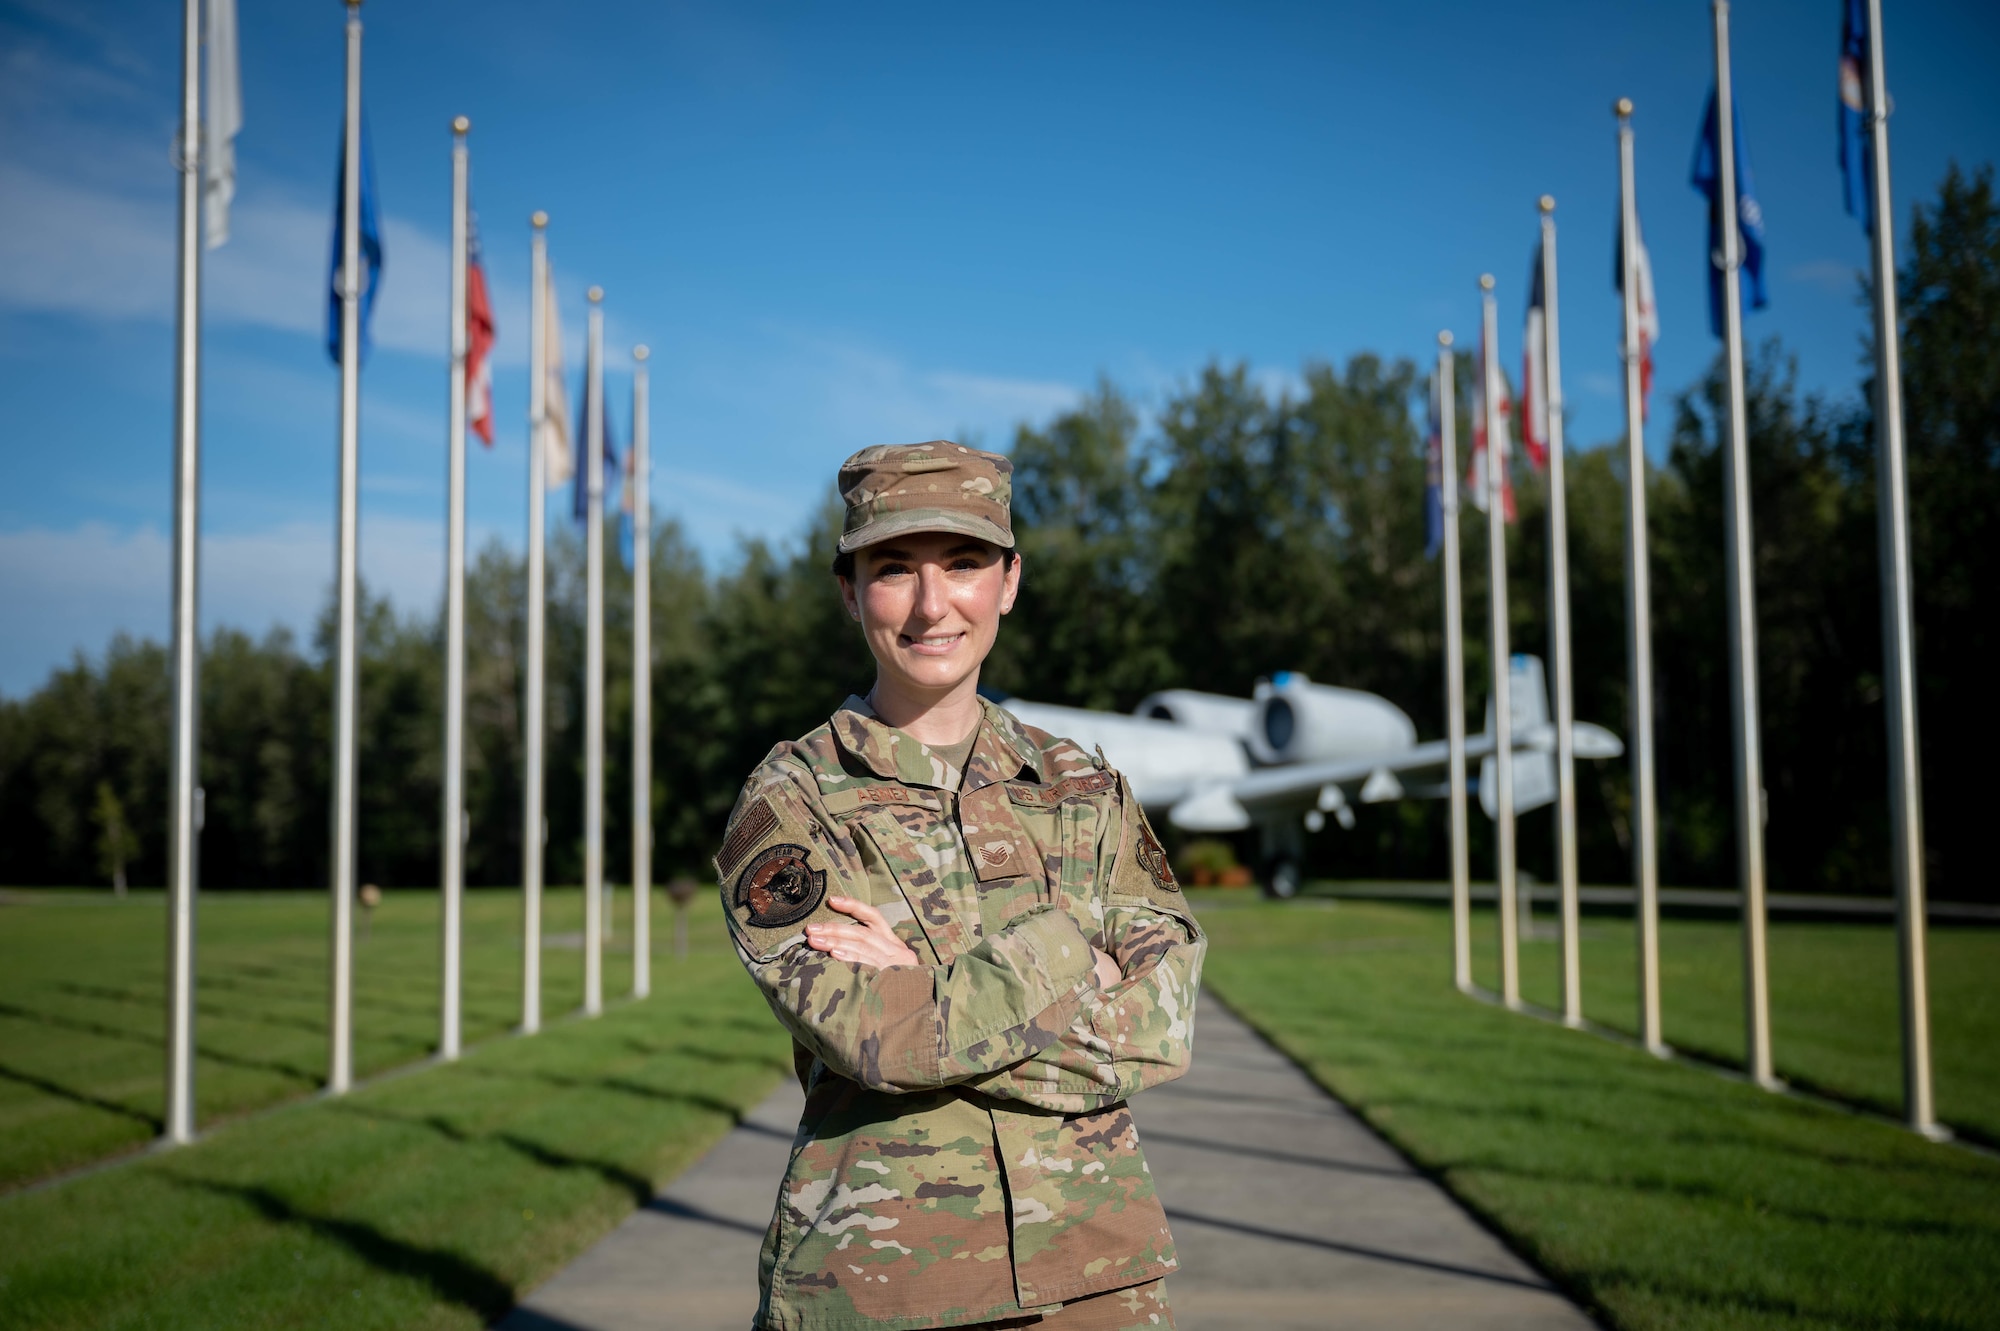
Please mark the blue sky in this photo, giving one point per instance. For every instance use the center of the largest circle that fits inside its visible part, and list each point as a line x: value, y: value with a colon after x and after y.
x: 848, y: 225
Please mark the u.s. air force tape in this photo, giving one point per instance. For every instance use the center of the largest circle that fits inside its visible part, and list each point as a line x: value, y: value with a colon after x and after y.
x: 779, y: 887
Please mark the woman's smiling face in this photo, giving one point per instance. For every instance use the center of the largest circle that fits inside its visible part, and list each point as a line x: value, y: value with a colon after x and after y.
x: 930, y: 605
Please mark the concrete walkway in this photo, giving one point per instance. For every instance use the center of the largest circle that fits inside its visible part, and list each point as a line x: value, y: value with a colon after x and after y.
x: 1288, y: 1213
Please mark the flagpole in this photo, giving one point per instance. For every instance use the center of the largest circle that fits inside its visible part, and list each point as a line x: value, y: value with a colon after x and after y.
x: 642, y: 685
x: 454, y: 612
x: 1639, y: 607
x: 1750, y: 795
x: 531, y: 796
x: 1899, y: 653
x: 1503, y: 704
x: 593, y: 684
x: 340, y: 1070
x: 1454, y: 671
x: 184, y: 796
x: 1552, y: 431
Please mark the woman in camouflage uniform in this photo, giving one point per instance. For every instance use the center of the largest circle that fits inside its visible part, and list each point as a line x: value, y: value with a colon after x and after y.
x: 978, y: 948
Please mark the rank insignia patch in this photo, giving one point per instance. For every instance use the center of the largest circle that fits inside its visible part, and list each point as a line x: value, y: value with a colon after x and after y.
x: 1154, y: 860
x: 780, y: 886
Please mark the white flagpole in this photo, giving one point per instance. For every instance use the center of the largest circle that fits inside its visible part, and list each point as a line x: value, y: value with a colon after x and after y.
x: 531, y: 797
x: 1503, y: 703
x: 1552, y: 430
x: 184, y: 796
x: 340, y: 1070
x: 1899, y: 651
x: 454, y: 612
x: 1750, y: 797
x: 1454, y: 671
x: 642, y: 684
x: 593, y: 684
x: 1639, y: 608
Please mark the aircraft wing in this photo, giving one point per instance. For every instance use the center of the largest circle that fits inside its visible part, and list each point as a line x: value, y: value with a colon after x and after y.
x: 1231, y: 805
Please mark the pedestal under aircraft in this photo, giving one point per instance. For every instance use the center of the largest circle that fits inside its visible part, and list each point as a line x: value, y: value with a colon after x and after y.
x: 1295, y: 753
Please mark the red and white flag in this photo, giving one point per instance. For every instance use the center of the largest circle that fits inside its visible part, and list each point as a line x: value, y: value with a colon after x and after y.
x: 478, y: 340
x: 1649, y: 313
x: 1495, y: 388
x: 1534, y: 373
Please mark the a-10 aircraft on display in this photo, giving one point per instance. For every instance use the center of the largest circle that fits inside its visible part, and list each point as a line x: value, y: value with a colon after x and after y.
x: 1296, y: 752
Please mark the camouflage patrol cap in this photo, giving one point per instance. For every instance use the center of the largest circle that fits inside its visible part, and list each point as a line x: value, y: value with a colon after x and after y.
x: 894, y: 489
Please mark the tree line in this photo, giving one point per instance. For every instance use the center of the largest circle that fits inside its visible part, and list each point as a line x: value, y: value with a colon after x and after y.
x: 1241, y: 533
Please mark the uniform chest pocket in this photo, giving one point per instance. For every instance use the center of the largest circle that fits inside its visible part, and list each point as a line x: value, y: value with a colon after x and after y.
x: 1058, y: 827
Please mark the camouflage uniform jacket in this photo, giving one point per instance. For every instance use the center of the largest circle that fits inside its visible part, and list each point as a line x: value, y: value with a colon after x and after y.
x: 965, y: 1152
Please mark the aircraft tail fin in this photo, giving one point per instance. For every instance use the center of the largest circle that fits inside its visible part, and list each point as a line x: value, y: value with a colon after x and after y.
x: 1534, y: 770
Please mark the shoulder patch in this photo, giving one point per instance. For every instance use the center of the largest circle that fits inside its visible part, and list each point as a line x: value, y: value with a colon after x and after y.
x: 779, y: 887
x: 750, y: 827
x: 1151, y: 857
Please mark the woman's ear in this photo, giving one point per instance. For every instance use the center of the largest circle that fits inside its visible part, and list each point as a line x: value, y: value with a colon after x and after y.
x: 848, y: 596
x: 1011, y: 587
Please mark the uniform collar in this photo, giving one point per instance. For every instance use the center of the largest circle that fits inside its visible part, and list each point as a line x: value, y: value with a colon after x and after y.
x: 1000, y: 753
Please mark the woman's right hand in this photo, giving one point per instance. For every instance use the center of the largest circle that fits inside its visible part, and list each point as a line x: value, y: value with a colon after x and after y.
x: 871, y: 942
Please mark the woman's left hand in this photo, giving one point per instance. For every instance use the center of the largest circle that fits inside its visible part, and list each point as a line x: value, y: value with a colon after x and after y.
x: 871, y: 942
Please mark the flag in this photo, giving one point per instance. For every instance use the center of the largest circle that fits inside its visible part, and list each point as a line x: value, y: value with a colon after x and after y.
x: 1534, y: 371
x: 558, y: 458
x: 225, y: 118
x: 582, y: 477
x: 478, y: 338
x: 1649, y: 313
x: 1857, y: 164
x: 1495, y: 387
x: 626, y: 492
x: 1434, y: 474
x: 1707, y: 178
x: 371, y: 244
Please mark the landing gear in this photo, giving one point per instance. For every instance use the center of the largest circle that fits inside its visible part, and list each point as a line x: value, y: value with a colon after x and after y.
x: 1282, y: 877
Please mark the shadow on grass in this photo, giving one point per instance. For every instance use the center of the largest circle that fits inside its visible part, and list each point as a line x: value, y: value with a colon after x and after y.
x: 637, y: 1186
x: 1701, y: 1191
x: 451, y: 1277
x: 682, y: 1049
x: 151, y: 1003
x: 202, y: 1051
x: 57, y: 1089
x: 621, y: 1086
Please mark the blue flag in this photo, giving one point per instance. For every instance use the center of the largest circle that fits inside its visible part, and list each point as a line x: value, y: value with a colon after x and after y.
x: 371, y: 243
x: 1433, y: 476
x: 583, y: 457
x: 1857, y: 164
x: 1749, y: 216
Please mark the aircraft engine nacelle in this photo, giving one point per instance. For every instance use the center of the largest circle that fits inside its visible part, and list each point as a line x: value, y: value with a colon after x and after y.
x: 1196, y: 710
x: 1299, y: 721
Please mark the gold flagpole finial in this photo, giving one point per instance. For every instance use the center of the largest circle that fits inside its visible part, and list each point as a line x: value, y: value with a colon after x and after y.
x: 1548, y: 203
x: 596, y: 294
x: 1622, y: 107
x: 460, y: 124
x: 1486, y: 281
x: 1444, y: 338
x: 639, y: 353
x: 538, y: 219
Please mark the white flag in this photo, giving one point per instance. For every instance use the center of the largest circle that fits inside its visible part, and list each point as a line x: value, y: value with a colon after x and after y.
x: 225, y: 118
x: 1496, y: 390
x: 558, y: 457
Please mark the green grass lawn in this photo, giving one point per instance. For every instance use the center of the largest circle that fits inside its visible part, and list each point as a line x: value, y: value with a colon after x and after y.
x: 1661, y: 1194
x: 82, y: 981
x: 431, y: 1200
x: 1836, y: 1024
